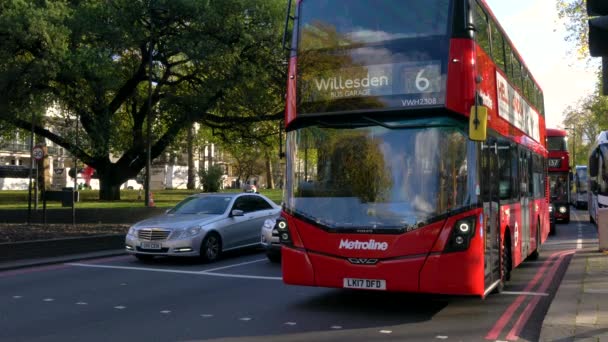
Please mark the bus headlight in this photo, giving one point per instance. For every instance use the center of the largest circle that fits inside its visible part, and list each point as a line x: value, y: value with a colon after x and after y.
x: 283, y: 229
x: 462, y: 233
x: 563, y: 209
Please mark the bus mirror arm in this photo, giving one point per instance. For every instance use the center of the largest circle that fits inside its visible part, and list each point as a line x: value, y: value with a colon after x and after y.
x: 288, y: 17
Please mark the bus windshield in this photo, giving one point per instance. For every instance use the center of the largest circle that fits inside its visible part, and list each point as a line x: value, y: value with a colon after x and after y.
x: 557, y: 144
x: 581, y: 179
x: 332, y: 24
x: 372, y: 54
x: 375, y: 177
x: 559, y: 187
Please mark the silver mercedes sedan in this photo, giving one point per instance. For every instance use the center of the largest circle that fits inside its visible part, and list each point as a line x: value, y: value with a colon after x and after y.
x: 202, y: 225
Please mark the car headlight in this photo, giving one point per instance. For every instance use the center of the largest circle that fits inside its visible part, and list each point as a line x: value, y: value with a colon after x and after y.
x: 132, y: 231
x: 563, y: 209
x: 269, y: 224
x: 550, y: 208
x: 188, y: 232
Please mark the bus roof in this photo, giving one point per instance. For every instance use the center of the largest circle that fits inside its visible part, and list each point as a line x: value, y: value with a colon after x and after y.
x: 556, y: 132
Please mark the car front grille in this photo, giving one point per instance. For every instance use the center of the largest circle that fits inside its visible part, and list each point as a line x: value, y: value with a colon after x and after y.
x: 153, y: 234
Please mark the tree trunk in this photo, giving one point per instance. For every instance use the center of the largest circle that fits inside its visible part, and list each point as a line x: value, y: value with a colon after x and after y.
x: 269, y: 179
x: 108, y: 191
x: 110, y: 179
x: 191, y: 172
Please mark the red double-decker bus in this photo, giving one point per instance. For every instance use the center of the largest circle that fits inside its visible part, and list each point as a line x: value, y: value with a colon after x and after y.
x: 415, y: 149
x: 559, y: 175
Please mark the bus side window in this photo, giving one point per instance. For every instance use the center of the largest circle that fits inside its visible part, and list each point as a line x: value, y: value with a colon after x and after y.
x: 593, y: 171
x: 482, y: 35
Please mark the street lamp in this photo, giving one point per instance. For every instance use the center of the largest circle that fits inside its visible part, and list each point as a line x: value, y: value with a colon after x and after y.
x: 573, y: 129
x: 154, y: 12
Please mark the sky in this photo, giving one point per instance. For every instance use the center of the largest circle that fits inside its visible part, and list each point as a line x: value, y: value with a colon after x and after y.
x: 537, y: 33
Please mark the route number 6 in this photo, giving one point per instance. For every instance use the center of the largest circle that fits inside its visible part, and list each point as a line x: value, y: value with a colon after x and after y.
x: 422, y: 83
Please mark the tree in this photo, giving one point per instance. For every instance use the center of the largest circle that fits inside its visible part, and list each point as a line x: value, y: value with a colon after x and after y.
x: 211, y: 179
x: 95, y: 59
x: 575, y: 14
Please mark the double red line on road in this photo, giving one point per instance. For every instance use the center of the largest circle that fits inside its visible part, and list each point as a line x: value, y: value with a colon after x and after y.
x: 557, y: 259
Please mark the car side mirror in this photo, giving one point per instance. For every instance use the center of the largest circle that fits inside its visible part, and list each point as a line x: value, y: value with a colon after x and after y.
x: 237, y: 212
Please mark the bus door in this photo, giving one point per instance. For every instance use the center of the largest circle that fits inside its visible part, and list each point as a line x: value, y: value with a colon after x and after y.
x: 491, y: 211
x: 524, y: 180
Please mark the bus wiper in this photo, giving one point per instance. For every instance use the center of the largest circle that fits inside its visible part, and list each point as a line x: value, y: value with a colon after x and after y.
x: 405, y: 125
x: 349, y: 124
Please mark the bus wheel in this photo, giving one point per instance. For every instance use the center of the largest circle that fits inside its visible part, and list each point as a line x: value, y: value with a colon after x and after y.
x: 505, y: 259
x: 536, y: 253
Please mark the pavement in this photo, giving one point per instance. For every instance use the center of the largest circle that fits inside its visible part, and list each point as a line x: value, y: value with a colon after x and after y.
x: 33, y: 262
x: 579, y: 311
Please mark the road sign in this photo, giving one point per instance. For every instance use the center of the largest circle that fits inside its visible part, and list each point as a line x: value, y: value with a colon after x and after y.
x: 38, y: 153
x: 58, y: 171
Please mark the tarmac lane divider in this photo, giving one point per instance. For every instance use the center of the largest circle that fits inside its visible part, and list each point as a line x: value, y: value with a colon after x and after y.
x: 510, y: 312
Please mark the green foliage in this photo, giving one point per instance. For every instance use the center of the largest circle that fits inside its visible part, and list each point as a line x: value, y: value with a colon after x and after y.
x: 218, y: 63
x: 575, y: 15
x: 211, y: 179
x: 584, y: 122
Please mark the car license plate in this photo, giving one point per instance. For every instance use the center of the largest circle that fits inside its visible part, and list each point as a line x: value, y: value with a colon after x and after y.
x: 368, y: 284
x: 151, y: 245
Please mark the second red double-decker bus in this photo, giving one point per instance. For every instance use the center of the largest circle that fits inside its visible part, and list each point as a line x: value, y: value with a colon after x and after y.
x: 392, y: 181
x: 559, y: 175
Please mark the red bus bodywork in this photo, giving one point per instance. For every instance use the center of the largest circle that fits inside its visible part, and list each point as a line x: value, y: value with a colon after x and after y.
x: 416, y: 261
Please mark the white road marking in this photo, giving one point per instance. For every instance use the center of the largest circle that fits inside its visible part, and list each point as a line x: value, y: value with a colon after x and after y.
x: 17, y: 297
x: 336, y: 327
x: 123, y: 284
x: 82, y: 303
x: 132, y: 268
x: 245, y: 319
x: 290, y: 323
x: 206, y: 315
x: 386, y: 331
x: 441, y: 337
x: 120, y: 307
x: 176, y: 271
x: 166, y: 312
x: 234, y: 265
x: 579, y: 241
x: 596, y: 291
x: 245, y: 276
x: 48, y: 299
x: 526, y: 293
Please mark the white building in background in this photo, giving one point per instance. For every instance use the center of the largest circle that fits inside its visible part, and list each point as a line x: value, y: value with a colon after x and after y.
x: 169, y: 171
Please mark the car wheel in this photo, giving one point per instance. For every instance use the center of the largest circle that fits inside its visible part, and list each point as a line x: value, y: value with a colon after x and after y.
x: 274, y: 257
x: 211, y: 247
x: 144, y: 257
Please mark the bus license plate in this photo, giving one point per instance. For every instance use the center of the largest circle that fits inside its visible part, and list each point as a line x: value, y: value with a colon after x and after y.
x: 368, y: 284
x: 151, y: 245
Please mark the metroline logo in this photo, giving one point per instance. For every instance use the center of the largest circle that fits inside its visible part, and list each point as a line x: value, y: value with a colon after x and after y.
x: 371, y: 245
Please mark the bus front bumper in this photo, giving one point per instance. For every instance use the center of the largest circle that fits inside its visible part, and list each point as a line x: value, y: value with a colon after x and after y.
x: 457, y: 273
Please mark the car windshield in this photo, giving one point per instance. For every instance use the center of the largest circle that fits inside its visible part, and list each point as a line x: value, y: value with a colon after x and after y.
x: 212, y: 205
x: 379, y: 177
